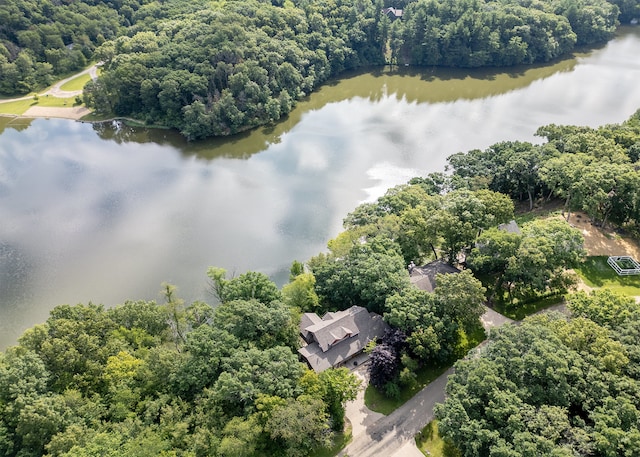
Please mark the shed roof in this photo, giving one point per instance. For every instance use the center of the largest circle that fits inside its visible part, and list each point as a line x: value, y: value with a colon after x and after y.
x: 511, y: 227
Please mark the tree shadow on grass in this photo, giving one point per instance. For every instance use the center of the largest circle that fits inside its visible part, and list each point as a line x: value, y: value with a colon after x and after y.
x: 432, y: 444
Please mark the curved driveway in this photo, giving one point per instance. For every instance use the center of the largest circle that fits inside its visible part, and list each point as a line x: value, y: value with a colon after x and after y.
x: 393, y: 435
x: 55, y: 89
x: 388, y: 435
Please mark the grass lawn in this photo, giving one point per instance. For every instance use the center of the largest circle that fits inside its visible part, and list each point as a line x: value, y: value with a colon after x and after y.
x: 596, y: 272
x: 19, y: 107
x: 430, y: 443
x: 16, y: 108
x: 340, y: 440
x: 380, y: 403
x: 518, y: 311
x: 76, y: 83
x: 55, y: 102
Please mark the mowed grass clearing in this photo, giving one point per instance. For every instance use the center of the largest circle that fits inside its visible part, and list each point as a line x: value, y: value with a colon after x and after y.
x: 596, y: 272
x: 18, y: 107
x: 431, y: 443
x: 76, y: 83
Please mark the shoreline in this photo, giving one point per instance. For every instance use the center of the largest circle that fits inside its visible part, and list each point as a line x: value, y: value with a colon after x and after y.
x: 78, y: 114
x: 73, y: 113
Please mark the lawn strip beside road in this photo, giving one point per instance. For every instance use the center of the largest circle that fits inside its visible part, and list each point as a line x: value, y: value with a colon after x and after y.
x: 387, y: 435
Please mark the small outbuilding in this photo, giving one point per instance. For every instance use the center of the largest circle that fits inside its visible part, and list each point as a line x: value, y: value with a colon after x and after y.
x: 510, y: 227
x: 337, y: 337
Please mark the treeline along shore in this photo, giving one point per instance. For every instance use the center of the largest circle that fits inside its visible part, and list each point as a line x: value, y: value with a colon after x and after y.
x: 217, y: 68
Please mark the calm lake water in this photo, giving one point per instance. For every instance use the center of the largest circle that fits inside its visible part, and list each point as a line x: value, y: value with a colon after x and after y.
x: 105, y: 213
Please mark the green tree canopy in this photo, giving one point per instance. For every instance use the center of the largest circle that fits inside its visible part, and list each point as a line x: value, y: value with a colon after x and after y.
x: 431, y: 334
x: 365, y: 276
x: 247, y: 286
x: 248, y: 373
x: 257, y: 324
x: 604, y: 307
x: 547, y: 387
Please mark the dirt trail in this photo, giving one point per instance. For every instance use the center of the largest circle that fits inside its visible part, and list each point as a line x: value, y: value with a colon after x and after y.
x: 603, y: 242
x: 598, y: 241
x: 75, y: 112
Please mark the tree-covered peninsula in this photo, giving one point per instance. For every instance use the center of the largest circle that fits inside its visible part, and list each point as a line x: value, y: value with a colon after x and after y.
x: 217, y: 68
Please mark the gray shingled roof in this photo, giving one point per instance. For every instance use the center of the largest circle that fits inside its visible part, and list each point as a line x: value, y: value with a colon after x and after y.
x: 340, y: 336
x: 511, y: 227
x: 335, y: 327
x: 307, y: 320
x: 424, y: 277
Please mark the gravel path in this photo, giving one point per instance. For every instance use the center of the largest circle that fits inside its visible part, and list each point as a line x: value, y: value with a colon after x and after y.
x: 56, y: 90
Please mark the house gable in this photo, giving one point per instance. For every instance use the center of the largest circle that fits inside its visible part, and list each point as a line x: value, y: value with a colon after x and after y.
x: 393, y: 13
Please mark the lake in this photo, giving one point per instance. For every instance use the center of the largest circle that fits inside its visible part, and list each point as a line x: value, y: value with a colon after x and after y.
x: 106, y: 213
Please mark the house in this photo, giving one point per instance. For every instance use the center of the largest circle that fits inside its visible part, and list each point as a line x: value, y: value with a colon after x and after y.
x: 392, y: 13
x: 424, y: 277
x: 510, y: 227
x: 339, y: 336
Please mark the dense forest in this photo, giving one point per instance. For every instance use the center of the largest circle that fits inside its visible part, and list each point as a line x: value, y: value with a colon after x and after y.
x: 218, y: 68
x: 552, y: 386
x: 43, y: 39
x: 143, y: 379
x: 173, y: 379
x: 593, y: 170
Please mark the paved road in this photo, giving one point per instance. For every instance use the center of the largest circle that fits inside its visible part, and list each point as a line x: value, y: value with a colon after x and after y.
x: 393, y: 435
x: 57, y: 92
x: 491, y: 319
x: 55, y: 89
x: 359, y: 415
x: 390, y: 433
